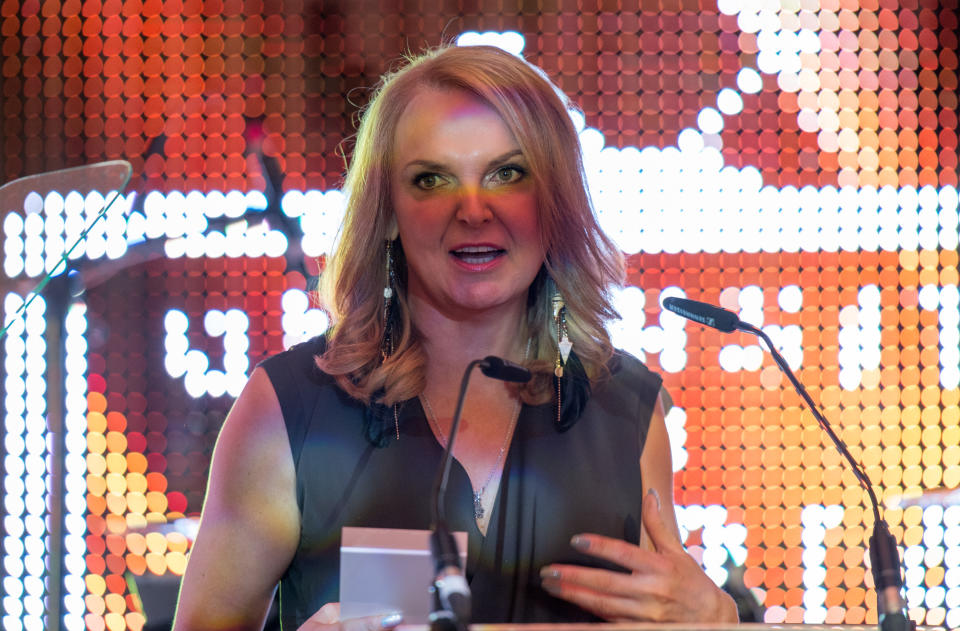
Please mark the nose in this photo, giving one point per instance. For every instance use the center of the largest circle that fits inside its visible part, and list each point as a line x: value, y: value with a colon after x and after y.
x: 473, y: 206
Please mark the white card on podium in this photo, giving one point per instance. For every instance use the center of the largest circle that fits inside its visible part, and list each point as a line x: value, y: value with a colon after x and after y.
x: 383, y: 570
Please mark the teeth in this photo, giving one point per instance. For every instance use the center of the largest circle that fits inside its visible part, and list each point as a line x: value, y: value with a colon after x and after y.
x: 477, y: 254
x: 475, y: 250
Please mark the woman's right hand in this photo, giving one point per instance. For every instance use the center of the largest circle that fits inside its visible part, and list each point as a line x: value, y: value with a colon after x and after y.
x: 327, y: 618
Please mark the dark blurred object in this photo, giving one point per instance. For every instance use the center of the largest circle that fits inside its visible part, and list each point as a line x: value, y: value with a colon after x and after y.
x: 748, y: 608
x: 158, y: 597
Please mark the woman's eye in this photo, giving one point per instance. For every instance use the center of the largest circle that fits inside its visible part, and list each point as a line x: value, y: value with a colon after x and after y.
x: 508, y: 174
x: 427, y: 181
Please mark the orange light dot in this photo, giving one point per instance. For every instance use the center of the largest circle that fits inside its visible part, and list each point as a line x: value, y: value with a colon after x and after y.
x: 136, y: 483
x: 177, y: 542
x: 115, y: 603
x: 96, y: 443
x: 116, y: 442
x: 96, y: 485
x: 156, y: 542
x: 95, y: 604
x: 95, y: 584
x: 156, y: 563
x: 115, y: 622
x: 176, y: 562
x: 96, y: 403
x: 116, y: 463
x: 136, y: 503
x: 117, y: 505
x: 156, y: 502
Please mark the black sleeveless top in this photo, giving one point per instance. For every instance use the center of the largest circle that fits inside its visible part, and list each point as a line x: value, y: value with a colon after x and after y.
x: 554, y: 485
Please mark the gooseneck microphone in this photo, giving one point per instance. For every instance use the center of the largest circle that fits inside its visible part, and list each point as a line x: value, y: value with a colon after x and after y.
x: 451, y: 593
x: 884, y: 558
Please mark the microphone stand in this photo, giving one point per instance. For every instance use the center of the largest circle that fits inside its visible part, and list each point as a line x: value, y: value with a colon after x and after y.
x: 884, y: 557
x: 451, y: 593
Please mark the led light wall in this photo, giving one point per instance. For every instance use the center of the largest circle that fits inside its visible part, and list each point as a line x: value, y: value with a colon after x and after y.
x: 793, y: 162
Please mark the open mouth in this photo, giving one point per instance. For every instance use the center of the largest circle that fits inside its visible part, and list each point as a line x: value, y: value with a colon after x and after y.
x: 477, y: 255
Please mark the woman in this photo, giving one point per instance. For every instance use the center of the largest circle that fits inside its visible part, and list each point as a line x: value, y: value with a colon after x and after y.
x: 468, y: 233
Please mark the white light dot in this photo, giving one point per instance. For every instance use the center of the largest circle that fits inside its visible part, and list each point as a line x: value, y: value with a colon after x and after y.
x: 729, y: 102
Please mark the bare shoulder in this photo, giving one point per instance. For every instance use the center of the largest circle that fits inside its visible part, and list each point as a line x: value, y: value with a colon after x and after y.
x: 250, y: 524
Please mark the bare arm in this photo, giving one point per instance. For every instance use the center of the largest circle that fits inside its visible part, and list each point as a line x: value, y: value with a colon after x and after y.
x: 250, y: 523
x: 656, y: 471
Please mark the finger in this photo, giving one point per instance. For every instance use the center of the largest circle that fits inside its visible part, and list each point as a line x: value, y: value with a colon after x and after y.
x: 603, y: 581
x: 661, y: 534
x: 327, y: 618
x: 372, y: 623
x: 610, y: 608
x: 618, y: 551
x: 328, y: 614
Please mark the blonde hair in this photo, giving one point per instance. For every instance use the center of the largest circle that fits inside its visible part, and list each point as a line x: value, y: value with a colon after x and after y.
x: 581, y: 261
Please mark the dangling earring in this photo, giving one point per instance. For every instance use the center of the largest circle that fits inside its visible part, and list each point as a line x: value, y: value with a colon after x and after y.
x: 386, y: 343
x: 564, y: 345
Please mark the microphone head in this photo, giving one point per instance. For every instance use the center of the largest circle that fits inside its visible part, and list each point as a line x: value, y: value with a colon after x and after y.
x: 497, y: 368
x: 704, y: 313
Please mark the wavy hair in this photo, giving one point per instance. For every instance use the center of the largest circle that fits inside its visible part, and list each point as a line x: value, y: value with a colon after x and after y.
x: 581, y: 262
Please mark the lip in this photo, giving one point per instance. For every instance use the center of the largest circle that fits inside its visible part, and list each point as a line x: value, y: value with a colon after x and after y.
x: 477, y: 267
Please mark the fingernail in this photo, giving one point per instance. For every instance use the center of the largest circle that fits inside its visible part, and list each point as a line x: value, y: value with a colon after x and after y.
x: 655, y: 495
x: 551, y: 585
x: 391, y: 620
x: 548, y: 573
x: 580, y: 543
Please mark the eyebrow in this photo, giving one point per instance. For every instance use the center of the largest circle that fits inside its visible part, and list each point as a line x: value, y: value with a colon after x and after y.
x: 437, y: 166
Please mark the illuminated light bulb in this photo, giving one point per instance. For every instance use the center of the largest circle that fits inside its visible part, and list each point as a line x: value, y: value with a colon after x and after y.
x: 195, y: 383
x: 510, y: 41
x: 235, y: 239
x: 175, y: 321
x: 235, y: 204
x: 195, y: 245
x: 13, y: 224
x: 731, y: 358
x: 275, y: 244
x: 236, y: 363
x: 710, y: 121
x: 292, y: 204
x: 215, y: 244
x: 729, y: 102
x: 689, y: 141
x: 236, y: 320
x: 255, y: 200
x: 13, y: 266
x: 215, y: 323
x: 235, y: 384
x: 294, y: 301
x: 929, y: 297
x: 215, y: 205
x: 197, y: 362
x: 216, y: 384
x: 673, y: 360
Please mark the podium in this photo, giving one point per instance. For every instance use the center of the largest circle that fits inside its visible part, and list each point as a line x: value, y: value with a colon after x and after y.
x: 653, y: 626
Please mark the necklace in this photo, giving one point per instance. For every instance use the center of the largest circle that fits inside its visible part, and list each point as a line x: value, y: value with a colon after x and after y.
x: 432, y: 419
x: 477, y: 495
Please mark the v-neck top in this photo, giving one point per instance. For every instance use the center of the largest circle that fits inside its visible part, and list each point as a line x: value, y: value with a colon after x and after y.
x: 554, y: 485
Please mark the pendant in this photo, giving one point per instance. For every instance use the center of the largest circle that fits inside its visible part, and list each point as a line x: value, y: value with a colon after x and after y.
x: 477, y: 506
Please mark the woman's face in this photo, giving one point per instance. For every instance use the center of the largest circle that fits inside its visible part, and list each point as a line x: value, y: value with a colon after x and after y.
x: 465, y: 205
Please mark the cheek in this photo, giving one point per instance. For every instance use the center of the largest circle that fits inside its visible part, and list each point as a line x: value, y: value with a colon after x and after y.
x: 525, y: 220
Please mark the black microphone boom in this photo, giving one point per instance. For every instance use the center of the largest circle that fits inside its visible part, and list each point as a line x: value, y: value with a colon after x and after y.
x: 496, y: 368
x: 885, y: 560
x: 703, y: 313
